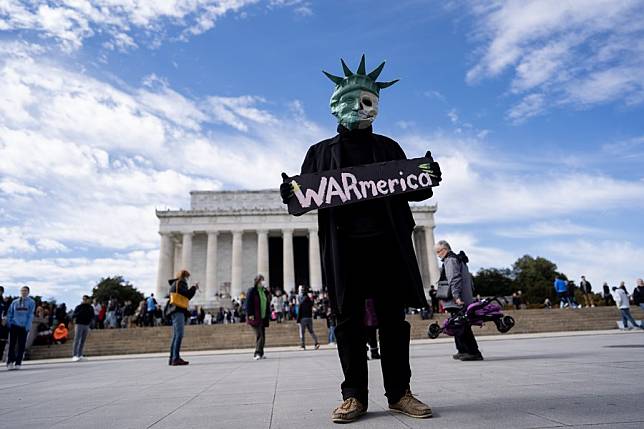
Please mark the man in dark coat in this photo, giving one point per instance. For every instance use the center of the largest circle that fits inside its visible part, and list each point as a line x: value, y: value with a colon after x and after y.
x: 258, y: 303
x: 367, y: 252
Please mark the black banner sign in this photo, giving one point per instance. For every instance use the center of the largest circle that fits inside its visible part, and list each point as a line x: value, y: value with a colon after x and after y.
x: 353, y: 184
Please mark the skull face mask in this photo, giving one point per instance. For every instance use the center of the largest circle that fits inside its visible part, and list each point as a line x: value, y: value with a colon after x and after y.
x: 355, y: 109
x: 355, y: 99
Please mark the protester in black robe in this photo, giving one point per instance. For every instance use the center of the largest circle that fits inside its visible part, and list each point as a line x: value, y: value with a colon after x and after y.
x: 367, y: 253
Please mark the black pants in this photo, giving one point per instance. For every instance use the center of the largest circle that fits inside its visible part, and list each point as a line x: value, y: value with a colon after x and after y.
x: 17, y: 341
x: 466, y: 343
x: 260, y: 339
x: 373, y: 270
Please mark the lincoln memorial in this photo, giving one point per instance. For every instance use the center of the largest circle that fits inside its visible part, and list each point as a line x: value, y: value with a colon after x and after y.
x: 227, y: 237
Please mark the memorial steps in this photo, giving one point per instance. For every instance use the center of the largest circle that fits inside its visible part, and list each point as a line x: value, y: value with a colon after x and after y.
x: 220, y: 337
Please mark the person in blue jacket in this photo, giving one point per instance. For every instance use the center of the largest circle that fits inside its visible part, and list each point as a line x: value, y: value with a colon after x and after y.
x: 561, y: 287
x: 19, y: 318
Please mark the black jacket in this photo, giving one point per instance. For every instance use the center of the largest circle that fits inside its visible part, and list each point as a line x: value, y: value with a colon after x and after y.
x: 638, y: 295
x: 183, y: 290
x: 305, y: 310
x: 253, y: 307
x: 83, y: 314
x: 326, y: 155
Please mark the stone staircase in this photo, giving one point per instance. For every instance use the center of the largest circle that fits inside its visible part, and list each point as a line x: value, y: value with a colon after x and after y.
x: 219, y: 337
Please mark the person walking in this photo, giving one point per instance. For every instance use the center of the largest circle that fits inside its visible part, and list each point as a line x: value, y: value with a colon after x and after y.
x: 305, y: 320
x: 638, y: 294
x: 257, y: 299
x: 622, y: 302
x: 19, y: 318
x: 458, y: 276
x: 83, y: 316
x: 177, y: 311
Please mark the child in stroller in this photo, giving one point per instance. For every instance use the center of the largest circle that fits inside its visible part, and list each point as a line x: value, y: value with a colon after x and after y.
x: 477, y: 313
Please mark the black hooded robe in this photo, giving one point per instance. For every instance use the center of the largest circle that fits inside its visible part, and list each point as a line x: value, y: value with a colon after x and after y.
x: 326, y: 155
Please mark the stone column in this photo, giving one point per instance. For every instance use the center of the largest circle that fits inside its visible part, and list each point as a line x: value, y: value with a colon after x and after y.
x: 166, y: 264
x: 176, y: 264
x: 289, y: 263
x: 315, y: 269
x: 413, y: 239
x: 186, y: 251
x: 211, y: 265
x: 262, y: 254
x: 432, y: 260
x: 236, y: 277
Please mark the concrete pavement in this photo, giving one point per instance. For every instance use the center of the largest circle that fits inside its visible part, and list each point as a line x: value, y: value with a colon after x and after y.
x: 528, y: 381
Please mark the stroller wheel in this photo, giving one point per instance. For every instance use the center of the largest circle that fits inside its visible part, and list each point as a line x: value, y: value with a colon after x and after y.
x: 433, y: 331
x: 505, y: 324
x: 508, y: 321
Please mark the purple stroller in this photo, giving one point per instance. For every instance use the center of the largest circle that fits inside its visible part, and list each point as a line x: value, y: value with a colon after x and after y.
x: 476, y: 314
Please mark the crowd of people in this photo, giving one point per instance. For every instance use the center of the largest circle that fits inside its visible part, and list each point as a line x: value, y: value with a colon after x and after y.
x: 52, y: 320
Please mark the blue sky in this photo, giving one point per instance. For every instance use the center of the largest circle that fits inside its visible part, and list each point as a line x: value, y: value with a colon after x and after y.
x: 110, y: 109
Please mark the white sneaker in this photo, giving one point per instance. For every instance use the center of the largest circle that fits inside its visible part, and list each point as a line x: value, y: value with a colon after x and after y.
x: 257, y: 357
x: 17, y: 367
x: 75, y: 359
x: 82, y: 358
x: 10, y: 366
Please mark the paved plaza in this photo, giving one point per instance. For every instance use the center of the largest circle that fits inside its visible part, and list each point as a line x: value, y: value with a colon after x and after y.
x: 526, y: 381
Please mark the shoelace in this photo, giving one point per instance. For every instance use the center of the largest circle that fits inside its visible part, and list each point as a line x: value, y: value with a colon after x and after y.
x: 348, y: 404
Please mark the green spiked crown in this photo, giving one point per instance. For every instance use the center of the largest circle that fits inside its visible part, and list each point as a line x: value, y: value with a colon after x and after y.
x: 358, y: 80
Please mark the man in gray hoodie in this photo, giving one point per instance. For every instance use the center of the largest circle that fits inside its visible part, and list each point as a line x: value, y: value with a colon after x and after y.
x: 456, y: 273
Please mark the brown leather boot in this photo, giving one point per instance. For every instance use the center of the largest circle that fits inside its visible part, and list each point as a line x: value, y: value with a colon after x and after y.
x: 411, y: 407
x: 349, y: 411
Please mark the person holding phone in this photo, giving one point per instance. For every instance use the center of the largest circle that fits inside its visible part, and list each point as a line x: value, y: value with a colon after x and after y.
x: 177, y: 311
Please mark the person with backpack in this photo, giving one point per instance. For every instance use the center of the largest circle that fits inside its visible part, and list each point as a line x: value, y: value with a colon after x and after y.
x: 459, y: 279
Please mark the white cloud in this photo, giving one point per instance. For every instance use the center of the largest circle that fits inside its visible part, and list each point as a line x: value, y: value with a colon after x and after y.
x: 14, y: 188
x: 479, y: 255
x: 236, y: 111
x: 548, y: 229
x: 562, y: 52
x: 632, y: 148
x: 71, y: 22
x: 96, y: 160
x: 604, y: 261
x: 67, y: 279
x: 482, y: 185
